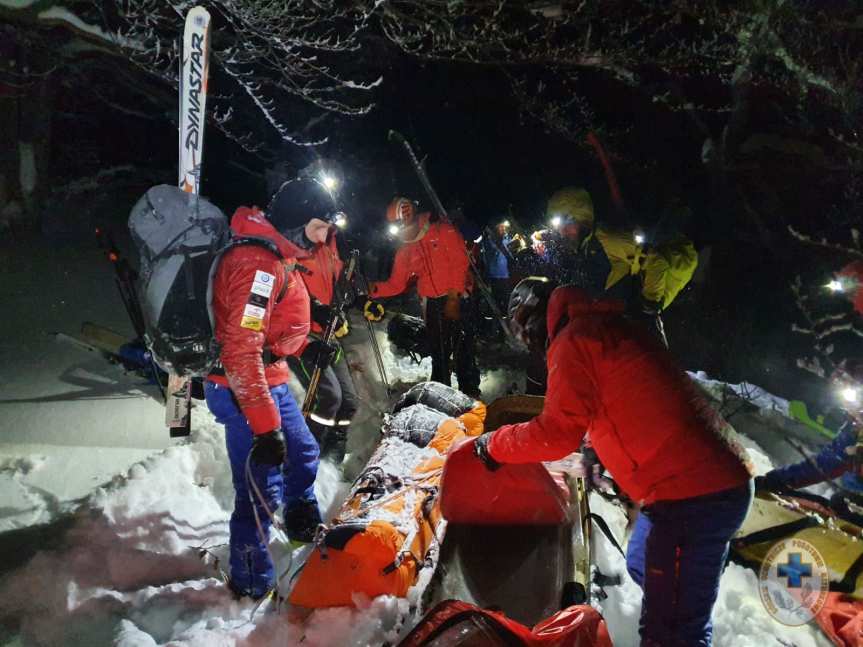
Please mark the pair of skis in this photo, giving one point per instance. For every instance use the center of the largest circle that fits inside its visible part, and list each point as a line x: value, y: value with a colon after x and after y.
x: 194, y: 68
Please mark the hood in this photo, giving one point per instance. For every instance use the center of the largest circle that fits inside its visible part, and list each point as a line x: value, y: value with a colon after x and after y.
x: 251, y: 221
x: 571, y: 302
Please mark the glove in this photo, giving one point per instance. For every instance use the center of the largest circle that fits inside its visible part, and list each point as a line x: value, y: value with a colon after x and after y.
x: 343, y: 330
x: 268, y: 448
x: 324, y: 353
x: 650, y: 311
x: 480, y: 449
x: 452, y: 307
x: 769, y: 483
x: 322, y: 314
x: 373, y: 310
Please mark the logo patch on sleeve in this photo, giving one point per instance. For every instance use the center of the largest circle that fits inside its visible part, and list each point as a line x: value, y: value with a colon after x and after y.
x: 252, y: 324
x: 253, y: 317
x: 263, y: 284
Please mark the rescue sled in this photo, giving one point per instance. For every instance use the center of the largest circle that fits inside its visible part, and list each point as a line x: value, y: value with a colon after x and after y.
x: 388, y: 532
x: 392, y: 532
x: 840, y: 542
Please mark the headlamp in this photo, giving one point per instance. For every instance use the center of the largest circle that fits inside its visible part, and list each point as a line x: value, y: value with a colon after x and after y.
x: 505, y: 224
x: 836, y: 285
x: 639, y: 238
x: 393, y: 230
x: 340, y: 220
x: 329, y: 182
x: 850, y: 394
x: 556, y: 221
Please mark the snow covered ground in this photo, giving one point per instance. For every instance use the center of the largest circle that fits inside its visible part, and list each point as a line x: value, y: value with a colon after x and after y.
x: 104, y: 520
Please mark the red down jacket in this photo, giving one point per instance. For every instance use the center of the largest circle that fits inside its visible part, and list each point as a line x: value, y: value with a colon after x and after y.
x: 436, y: 259
x: 246, y: 288
x: 323, y: 267
x: 652, y: 430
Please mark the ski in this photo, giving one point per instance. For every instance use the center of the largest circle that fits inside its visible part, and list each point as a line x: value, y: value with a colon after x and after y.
x: 194, y: 68
x: 427, y: 185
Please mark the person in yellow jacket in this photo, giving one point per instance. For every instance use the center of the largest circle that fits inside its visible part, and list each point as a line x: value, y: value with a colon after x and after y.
x: 614, y: 263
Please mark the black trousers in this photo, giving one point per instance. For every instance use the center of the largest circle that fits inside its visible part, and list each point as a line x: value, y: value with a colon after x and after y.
x: 336, y: 400
x: 452, y: 345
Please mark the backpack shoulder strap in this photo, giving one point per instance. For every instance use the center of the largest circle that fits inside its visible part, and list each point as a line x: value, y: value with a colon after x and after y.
x: 271, y: 246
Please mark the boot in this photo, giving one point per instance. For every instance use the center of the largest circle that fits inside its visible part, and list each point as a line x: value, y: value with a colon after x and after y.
x: 335, y: 444
x: 302, y: 519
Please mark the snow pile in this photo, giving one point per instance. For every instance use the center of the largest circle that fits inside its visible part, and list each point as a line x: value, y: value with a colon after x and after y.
x: 126, y: 567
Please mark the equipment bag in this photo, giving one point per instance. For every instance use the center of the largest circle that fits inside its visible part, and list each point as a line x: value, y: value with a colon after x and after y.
x: 408, y: 335
x: 180, y: 238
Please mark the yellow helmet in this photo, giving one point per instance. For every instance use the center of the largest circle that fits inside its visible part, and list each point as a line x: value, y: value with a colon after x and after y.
x: 570, y: 205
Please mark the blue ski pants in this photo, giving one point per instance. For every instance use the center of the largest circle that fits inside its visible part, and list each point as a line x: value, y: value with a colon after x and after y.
x: 677, y: 552
x: 252, y: 570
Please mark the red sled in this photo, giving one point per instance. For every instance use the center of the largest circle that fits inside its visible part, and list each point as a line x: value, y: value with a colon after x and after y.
x: 453, y: 623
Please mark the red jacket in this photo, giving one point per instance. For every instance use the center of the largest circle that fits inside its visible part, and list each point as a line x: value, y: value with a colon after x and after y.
x: 437, y: 260
x: 658, y: 437
x: 246, y: 288
x: 324, y: 266
x: 854, y: 272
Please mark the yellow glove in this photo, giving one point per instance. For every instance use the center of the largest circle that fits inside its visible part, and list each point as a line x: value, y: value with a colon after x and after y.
x: 373, y: 310
x: 343, y: 330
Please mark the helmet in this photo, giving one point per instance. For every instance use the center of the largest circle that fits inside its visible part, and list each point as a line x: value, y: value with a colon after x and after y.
x: 570, y: 205
x: 401, y: 211
x: 313, y: 193
x: 527, y: 307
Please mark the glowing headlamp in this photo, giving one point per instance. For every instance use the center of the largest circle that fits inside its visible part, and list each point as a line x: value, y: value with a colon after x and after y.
x: 556, y: 221
x: 329, y: 182
x: 505, y: 224
x: 836, y: 285
x: 393, y: 230
x: 340, y: 220
x: 639, y: 238
x: 850, y: 395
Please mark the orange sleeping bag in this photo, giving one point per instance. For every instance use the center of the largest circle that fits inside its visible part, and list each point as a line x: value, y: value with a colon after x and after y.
x: 390, y: 524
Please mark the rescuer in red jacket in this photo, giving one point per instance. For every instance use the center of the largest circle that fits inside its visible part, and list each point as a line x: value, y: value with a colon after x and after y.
x: 433, y: 254
x: 261, y: 311
x: 336, y: 400
x: 660, y: 440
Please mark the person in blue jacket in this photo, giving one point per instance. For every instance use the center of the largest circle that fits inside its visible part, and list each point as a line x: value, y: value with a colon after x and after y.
x: 841, y: 459
x: 496, y: 257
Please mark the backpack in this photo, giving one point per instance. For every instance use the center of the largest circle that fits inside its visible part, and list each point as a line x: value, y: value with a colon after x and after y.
x: 180, y: 238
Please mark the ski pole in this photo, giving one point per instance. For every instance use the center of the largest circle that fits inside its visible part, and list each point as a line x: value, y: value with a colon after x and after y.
x: 423, y: 177
x: 329, y: 334
x: 374, y: 342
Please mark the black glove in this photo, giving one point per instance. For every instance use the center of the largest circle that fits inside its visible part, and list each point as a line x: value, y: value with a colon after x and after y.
x: 373, y: 310
x: 323, y: 353
x: 769, y: 483
x: 480, y: 448
x: 268, y: 448
x: 322, y: 314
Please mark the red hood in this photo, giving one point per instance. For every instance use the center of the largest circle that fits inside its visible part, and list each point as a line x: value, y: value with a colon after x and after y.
x: 571, y: 302
x: 251, y: 221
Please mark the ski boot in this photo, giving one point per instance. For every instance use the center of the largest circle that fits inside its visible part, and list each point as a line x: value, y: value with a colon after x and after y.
x: 335, y: 444
x: 302, y: 519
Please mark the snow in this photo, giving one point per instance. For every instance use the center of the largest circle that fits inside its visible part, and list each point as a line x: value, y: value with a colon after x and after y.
x: 62, y: 14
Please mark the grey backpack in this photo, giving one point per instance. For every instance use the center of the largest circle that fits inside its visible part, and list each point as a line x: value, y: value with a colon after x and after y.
x: 180, y: 238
